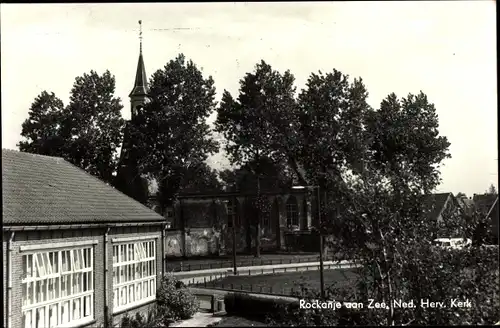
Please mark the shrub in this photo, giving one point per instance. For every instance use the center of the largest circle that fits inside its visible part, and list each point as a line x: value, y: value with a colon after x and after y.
x: 151, y: 319
x: 174, y: 300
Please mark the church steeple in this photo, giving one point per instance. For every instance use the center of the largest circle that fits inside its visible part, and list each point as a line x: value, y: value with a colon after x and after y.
x: 139, y: 94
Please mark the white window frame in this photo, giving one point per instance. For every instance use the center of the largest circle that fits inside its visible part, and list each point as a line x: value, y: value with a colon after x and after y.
x: 43, y: 275
x: 129, y: 284
x: 292, y: 213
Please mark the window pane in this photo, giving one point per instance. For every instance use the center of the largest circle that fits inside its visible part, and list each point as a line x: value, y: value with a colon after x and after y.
x: 27, y: 319
x: 152, y: 287
x: 85, y: 281
x: 115, y: 297
x: 123, y: 295
x: 29, y: 293
x: 65, y: 285
x: 137, y: 271
x: 123, y: 254
x: 138, y: 292
x: 115, y: 254
x: 130, y: 252
x: 25, y: 294
x: 115, y: 276
x: 130, y: 272
x: 144, y: 269
x: 52, y: 289
x: 131, y: 298
x: 53, y: 315
x: 77, y: 283
x: 87, y: 307
x: 40, y: 317
x: 76, y: 309
x: 64, y: 312
x: 145, y: 289
x: 122, y: 274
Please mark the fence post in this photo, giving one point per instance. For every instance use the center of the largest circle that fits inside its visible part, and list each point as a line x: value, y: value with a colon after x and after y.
x: 251, y: 287
x: 222, y: 285
x: 181, y: 266
x: 281, y: 261
x: 271, y: 290
x: 205, y: 281
x: 261, y: 289
x: 232, y: 286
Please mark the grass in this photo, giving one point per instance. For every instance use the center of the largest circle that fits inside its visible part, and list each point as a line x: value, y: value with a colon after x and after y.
x: 233, y: 321
x: 284, y: 283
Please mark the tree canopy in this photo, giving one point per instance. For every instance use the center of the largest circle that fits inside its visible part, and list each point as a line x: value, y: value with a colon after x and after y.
x: 87, y: 132
x: 170, y: 133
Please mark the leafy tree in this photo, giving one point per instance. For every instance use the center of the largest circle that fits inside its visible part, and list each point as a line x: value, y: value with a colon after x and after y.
x: 200, y: 178
x: 257, y: 123
x: 42, y: 131
x: 461, y: 195
x: 95, y: 124
x: 87, y: 132
x: 492, y: 190
x: 170, y: 135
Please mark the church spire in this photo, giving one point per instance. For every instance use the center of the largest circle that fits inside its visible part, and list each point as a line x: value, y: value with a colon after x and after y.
x: 141, y: 83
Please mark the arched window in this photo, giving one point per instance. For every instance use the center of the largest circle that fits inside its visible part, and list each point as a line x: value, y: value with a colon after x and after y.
x: 292, y: 213
x: 232, y: 212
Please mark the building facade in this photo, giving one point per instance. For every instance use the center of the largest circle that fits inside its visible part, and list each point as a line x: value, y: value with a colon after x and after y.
x: 76, y: 251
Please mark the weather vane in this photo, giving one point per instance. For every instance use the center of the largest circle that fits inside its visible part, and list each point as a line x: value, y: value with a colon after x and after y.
x: 140, y: 35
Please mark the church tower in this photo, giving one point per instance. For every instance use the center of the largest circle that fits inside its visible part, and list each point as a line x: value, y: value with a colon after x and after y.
x: 128, y: 178
x: 139, y: 94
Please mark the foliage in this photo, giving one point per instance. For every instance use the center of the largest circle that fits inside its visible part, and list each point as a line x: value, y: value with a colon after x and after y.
x: 260, y: 116
x: 170, y: 134
x: 87, y: 132
x: 492, y: 190
x: 200, y: 177
x: 152, y: 319
x: 42, y: 130
x: 174, y: 300
x: 441, y: 275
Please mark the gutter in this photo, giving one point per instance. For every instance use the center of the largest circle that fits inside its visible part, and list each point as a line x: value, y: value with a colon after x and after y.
x: 80, y: 226
x: 106, y: 289
x: 9, y: 279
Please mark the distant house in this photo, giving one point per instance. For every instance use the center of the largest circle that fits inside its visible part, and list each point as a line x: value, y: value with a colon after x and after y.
x: 75, y: 249
x: 483, y: 203
x: 437, y: 205
x: 492, y: 217
x: 438, y: 208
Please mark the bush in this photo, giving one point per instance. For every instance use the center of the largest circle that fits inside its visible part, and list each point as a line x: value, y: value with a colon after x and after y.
x: 151, y: 319
x: 174, y: 300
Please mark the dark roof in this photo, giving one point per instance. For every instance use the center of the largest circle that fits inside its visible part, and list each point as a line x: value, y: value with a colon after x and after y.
x: 434, y: 204
x: 484, y: 202
x: 49, y: 190
x: 141, y: 80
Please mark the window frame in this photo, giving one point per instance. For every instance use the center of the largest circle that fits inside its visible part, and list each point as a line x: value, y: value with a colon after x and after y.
x: 144, y: 258
x: 36, y: 275
x: 292, y: 212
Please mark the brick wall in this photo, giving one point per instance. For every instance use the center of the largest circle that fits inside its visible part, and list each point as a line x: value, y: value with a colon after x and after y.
x: 47, y: 237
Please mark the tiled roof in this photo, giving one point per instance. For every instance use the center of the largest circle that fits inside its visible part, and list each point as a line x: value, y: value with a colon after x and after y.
x: 435, y: 203
x: 49, y: 190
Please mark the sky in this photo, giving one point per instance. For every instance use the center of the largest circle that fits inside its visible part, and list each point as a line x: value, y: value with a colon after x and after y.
x: 444, y: 48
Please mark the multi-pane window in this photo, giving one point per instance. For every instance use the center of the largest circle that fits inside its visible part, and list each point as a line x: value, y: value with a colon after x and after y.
x: 292, y: 215
x: 134, y: 273
x: 58, y: 288
x: 232, y: 213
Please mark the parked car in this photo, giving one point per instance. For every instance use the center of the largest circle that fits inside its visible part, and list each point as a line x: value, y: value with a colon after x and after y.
x: 452, y: 243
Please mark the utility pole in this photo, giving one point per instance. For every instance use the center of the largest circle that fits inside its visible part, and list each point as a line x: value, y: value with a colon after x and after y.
x: 235, y: 269
x: 321, y: 268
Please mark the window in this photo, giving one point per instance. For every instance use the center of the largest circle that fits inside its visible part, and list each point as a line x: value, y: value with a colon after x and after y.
x: 292, y: 215
x: 134, y: 274
x: 232, y: 212
x: 58, y: 288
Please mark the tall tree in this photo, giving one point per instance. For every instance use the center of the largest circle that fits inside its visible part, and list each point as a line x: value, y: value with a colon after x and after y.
x: 95, y: 124
x: 256, y: 123
x: 42, y: 130
x: 492, y: 190
x: 170, y: 134
x: 87, y: 132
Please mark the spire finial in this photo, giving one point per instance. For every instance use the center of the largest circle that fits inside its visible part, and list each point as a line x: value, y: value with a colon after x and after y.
x: 140, y: 35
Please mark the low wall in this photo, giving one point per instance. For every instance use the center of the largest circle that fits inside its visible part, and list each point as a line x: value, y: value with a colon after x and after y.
x: 198, y: 242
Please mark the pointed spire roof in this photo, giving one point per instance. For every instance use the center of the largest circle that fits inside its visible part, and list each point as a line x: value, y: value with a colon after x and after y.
x: 141, y: 81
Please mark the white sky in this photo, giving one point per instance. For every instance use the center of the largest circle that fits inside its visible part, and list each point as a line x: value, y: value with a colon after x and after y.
x: 444, y: 48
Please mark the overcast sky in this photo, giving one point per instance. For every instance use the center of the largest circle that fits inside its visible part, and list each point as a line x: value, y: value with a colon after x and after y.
x: 444, y: 48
